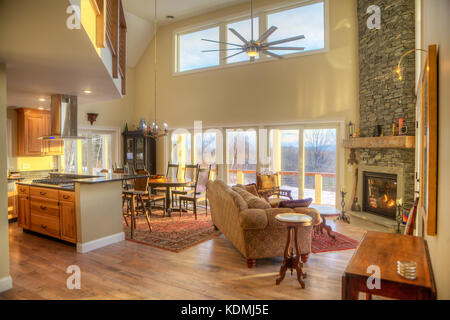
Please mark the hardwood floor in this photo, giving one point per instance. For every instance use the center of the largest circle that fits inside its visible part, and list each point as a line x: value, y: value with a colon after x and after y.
x: 127, y: 270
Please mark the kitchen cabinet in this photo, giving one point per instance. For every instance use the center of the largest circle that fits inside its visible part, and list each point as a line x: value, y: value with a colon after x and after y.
x: 32, y: 124
x: 48, y: 211
x: 139, y: 151
x: 23, y: 207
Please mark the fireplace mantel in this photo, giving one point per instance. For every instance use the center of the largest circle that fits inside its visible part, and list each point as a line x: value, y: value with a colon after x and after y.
x: 393, y: 142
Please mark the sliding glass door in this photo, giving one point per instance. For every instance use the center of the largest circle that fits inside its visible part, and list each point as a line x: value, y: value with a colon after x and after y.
x: 241, y: 156
x: 305, y: 159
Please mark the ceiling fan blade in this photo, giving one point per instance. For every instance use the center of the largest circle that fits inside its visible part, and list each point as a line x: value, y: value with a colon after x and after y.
x: 267, y: 34
x: 273, y: 54
x: 231, y: 44
x: 237, y: 34
x: 284, y: 48
x: 221, y: 50
x: 284, y: 41
x: 234, y: 55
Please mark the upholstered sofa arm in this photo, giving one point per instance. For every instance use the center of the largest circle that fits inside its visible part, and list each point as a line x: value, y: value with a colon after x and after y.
x: 253, y: 219
x: 313, y: 213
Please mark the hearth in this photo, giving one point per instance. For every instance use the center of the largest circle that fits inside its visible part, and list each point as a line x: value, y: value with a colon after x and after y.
x: 380, y: 194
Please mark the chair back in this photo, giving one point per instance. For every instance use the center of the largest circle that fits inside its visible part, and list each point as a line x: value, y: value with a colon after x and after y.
x: 172, y: 170
x: 191, y: 172
x: 411, y: 223
x: 202, y: 179
x: 141, y: 184
x: 266, y: 181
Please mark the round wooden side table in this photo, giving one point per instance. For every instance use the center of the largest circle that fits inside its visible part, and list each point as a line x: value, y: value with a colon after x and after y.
x: 325, y: 213
x: 292, y: 261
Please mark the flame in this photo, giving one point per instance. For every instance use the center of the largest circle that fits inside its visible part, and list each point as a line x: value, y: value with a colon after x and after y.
x: 391, y: 204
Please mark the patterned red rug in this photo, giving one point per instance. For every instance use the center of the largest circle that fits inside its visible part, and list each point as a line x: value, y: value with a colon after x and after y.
x: 323, y: 243
x: 175, y: 233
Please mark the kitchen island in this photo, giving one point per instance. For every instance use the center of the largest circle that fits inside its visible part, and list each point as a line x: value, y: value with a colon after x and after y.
x: 81, y: 209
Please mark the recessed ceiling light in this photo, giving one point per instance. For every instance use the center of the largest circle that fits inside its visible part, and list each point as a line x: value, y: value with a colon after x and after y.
x: 41, y: 108
x: 42, y: 99
x: 87, y: 91
x: 170, y: 17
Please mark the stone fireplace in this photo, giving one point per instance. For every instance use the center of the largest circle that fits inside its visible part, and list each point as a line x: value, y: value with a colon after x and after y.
x: 380, y: 194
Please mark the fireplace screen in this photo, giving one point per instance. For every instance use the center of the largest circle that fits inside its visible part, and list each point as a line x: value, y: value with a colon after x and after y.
x: 380, y: 194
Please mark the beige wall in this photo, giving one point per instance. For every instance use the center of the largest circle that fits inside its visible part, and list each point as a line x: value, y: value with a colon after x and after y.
x: 4, y: 244
x: 436, y: 24
x: 311, y: 87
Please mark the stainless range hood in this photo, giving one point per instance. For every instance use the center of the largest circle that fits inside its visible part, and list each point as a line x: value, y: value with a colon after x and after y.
x: 64, y: 121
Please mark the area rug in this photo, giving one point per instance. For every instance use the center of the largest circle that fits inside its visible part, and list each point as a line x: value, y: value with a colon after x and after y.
x: 323, y: 243
x: 173, y: 233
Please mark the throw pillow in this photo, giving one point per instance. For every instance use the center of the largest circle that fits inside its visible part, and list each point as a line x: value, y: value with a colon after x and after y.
x: 253, y: 202
x: 302, y: 203
x: 249, y: 188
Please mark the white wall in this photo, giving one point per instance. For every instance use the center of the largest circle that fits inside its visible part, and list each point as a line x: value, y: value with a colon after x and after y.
x: 436, y: 26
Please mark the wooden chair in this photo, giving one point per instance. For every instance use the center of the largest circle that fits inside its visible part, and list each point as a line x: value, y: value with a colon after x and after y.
x: 411, y: 223
x: 172, y: 172
x: 267, y: 186
x: 198, y: 193
x: 190, y: 175
x: 140, y: 194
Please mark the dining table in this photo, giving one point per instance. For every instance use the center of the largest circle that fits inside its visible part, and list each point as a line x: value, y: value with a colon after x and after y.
x: 168, y: 184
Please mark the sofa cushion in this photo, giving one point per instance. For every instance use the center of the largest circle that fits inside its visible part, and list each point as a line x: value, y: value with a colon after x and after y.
x: 253, y: 202
x: 253, y: 219
x: 313, y: 213
x: 272, y: 213
x: 249, y: 188
x: 302, y: 203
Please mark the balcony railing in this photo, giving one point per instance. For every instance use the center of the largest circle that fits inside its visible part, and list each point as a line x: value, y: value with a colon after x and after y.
x: 318, y: 179
x: 111, y: 30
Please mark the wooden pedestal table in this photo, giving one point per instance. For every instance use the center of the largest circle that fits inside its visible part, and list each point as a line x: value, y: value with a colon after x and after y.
x: 168, y: 183
x: 293, y: 221
x: 326, y: 212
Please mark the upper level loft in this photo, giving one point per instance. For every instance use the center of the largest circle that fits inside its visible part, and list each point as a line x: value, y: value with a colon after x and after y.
x: 74, y: 47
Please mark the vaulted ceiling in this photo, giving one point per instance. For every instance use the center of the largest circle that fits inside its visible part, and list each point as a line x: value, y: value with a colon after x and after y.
x: 140, y: 18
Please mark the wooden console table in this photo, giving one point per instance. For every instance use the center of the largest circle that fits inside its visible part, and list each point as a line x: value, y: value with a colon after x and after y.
x: 384, y: 250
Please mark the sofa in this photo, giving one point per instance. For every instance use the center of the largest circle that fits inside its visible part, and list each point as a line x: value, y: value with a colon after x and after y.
x: 255, y: 233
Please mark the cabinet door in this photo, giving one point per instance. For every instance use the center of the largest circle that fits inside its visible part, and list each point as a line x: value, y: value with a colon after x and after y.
x: 68, y: 221
x: 51, y: 147
x: 35, y: 128
x: 140, y: 151
x: 23, y: 218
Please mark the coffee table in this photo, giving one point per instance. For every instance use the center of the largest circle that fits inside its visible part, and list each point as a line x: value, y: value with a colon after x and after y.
x: 293, y: 221
x: 325, y: 212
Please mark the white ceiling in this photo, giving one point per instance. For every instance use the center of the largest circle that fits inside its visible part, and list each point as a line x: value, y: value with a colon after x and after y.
x: 44, y: 57
x: 140, y: 18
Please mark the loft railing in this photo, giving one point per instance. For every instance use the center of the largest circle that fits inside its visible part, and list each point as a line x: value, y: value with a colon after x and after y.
x: 111, y: 30
x: 318, y: 179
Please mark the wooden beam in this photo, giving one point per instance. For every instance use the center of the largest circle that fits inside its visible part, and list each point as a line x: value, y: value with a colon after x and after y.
x: 399, y: 142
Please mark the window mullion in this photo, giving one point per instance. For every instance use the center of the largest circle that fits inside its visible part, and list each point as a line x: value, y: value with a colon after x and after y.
x: 223, y: 38
x: 262, y: 28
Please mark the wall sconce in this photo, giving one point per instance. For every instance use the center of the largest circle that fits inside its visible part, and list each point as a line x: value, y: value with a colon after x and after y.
x: 398, y: 69
x: 92, y: 117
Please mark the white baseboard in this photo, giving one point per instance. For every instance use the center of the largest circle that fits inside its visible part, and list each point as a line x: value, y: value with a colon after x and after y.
x: 5, y: 283
x: 99, y: 243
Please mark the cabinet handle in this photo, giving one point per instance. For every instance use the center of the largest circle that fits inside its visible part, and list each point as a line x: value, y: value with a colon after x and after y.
x: 43, y: 208
x: 43, y: 226
x: 66, y: 197
x: 43, y: 193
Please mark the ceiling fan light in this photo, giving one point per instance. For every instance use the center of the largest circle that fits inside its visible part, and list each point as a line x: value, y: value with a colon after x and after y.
x: 252, y: 52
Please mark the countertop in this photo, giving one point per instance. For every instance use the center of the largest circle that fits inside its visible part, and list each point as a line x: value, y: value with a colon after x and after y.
x: 104, y: 178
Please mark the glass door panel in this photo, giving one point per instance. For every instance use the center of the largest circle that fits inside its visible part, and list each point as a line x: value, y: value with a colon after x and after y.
x: 284, y: 151
x: 320, y: 165
x: 241, y: 157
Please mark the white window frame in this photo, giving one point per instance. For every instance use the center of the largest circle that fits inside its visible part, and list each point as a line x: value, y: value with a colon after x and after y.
x: 262, y: 14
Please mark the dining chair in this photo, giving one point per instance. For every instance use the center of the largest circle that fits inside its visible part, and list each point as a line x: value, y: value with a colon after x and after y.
x: 198, y: 193
x: 172, y: 172
x: 189, y: 175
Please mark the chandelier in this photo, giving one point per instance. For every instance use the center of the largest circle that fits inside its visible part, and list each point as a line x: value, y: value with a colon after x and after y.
x: 155, y: 130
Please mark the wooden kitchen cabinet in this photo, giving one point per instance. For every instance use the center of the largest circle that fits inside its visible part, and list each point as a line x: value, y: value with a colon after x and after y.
x: 23, y: 211
x: 48, y: 211
x: 32, y: 124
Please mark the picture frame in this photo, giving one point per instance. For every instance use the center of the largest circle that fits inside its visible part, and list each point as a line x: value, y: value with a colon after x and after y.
x: 428, y: 145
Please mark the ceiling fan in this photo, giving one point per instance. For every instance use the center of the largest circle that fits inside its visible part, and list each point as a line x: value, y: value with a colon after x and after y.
x: 254, y: 47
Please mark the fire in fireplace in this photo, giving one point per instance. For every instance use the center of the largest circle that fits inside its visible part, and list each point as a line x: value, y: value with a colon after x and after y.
x: 380, y: 194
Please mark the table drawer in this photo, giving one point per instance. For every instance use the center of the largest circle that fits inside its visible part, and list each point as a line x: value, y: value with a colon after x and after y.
x: 46, y: 193
x: 45, y: 224
x: 21, y: 189
x: 44, y: 207
x: 67, y: 196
